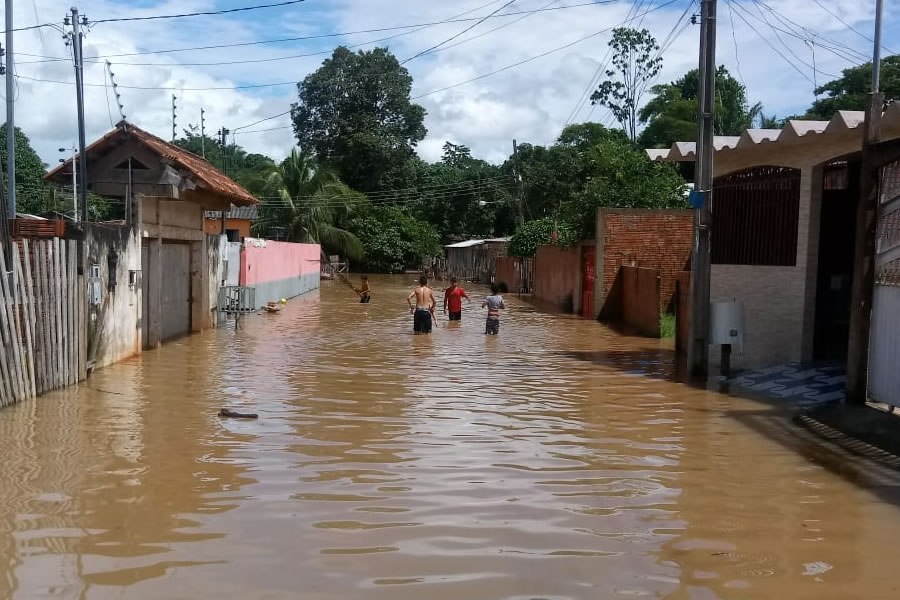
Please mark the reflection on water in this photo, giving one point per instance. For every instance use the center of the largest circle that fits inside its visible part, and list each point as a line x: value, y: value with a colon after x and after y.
x: 555, y: 461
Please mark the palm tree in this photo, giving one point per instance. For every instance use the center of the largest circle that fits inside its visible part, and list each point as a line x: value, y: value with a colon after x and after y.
x: 308, y: 202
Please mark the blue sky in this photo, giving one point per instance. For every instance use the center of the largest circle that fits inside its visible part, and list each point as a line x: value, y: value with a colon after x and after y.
x: 770, y: 46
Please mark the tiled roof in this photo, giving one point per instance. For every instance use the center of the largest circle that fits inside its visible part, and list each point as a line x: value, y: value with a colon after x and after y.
x: 249, y: 213
x: 793, y: 132
x: 199, y: 168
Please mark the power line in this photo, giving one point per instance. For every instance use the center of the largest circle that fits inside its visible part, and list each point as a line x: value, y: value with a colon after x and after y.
x: 287, y: 112
x: 457, y: 19
x: 209, y: 13
x: 541, y: 55
x: 456, y: 35
x: 850, y: 27
x: 166, y: 89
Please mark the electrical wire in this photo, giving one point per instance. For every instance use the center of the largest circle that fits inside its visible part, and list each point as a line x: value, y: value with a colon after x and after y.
x: 166, y: 89
x: 208, y: 13
x: 456, y: 35
x: 281, y: 114
x: 537, y: 56
x: 100, y: 58
x: 737, y: 58
x: 850, y: 27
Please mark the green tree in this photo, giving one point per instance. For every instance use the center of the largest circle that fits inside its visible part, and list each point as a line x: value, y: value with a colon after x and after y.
x: 355, y: 113
x: 850, y: 90
x: 245, y: 168
x: 532, y: 234
x: 308, y: 204
x: 32, y: 192
x: 462, y: 196
x: 635, y: 62
x: 394, y: 240
x: 671, y: 115
x: 622, y: 176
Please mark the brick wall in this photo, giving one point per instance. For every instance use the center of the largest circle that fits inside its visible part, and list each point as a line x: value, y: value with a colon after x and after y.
x: 640, y: 307
x: 556, y: 275
x: 653, y: 239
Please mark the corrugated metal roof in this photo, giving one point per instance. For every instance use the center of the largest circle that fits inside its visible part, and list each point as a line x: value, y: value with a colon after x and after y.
x: 199, y: 168
x: 465, y: 244
x: 250, y: 213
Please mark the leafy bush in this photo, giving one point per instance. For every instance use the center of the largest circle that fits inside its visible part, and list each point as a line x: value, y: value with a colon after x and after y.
x: 394, y: 240
x: 535, y: 233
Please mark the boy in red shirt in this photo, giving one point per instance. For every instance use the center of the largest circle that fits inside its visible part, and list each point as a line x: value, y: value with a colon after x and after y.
x: 453, y: 296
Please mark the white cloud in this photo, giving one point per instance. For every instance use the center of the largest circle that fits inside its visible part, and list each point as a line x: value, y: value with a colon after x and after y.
x: 530, y: 102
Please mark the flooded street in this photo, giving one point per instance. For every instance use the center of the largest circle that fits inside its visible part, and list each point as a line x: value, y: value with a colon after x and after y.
x: 555, y: 461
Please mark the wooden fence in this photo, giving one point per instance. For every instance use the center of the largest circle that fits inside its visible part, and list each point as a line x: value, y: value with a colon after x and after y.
x: 43, y: 317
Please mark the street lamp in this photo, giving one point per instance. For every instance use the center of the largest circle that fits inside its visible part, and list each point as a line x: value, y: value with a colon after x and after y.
x: 74, y: 152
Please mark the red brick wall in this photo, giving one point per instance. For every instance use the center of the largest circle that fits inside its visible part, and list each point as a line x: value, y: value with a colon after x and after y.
x: 556, y: 274
x: 653, y: 239
x: 640, y: 304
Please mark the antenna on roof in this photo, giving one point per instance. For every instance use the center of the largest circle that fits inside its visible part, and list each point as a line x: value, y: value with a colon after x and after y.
x: 112, y: 78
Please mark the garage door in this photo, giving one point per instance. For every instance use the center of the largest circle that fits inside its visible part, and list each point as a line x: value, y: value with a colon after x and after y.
x: 176, y: 290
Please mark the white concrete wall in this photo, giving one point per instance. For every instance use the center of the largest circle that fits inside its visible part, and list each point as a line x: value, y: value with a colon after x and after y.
x: 233, y: 258
x: 114, y: 326
x: 216, y: 248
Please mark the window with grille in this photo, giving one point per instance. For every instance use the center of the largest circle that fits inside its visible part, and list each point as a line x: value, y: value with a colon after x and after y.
x: 755, y: 214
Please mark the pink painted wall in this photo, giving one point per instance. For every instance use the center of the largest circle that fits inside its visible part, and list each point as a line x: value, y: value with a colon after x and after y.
x: 263, y: 261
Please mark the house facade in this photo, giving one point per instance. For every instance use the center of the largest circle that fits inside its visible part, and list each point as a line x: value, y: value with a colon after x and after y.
x: 783, y: 228
x: 161, y: 249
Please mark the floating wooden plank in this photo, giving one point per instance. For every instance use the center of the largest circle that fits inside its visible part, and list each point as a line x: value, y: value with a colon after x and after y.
x: 27, y: 291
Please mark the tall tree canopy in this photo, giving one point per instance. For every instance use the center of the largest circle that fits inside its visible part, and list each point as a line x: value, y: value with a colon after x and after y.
x: 306, y: 203
x: 463, y: 196
x: 671, y: 115
x: 849, y: 91
x: 32, y: 192
x: 635, y: 62
x: 355, y: 113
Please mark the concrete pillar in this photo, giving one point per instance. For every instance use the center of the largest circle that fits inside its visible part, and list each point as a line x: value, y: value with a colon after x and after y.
x: 808, y: 250
x: 154, y: 292
x: 199, y: 286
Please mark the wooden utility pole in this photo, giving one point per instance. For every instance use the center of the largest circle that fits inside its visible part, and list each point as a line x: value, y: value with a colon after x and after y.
x: 698, y: 347
x: 866, y: 233
x: 520, y: 187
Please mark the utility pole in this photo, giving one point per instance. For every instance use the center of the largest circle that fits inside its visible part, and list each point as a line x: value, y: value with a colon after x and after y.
x: 174, y: 118
x: 223, y: 140
x: 77, y: 22
x: 520, y: 186
x: 5, y: 233
x: 866, y: 232
x: 202, y: 132
x: 698, y: 347
x: 74, y: 180
x: 10, y: 114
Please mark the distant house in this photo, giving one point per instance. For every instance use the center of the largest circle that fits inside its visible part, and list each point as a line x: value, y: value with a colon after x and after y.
x: 238, y: 222
x: 475, y: 260
x: 161, y: 249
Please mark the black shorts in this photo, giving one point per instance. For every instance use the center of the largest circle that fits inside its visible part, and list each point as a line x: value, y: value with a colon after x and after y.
x: 492, y: 326
x: 364, y: 299
x: 455, y: 316
x: 422, y: 321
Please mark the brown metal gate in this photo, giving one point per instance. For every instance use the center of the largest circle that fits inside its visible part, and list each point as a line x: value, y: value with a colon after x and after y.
x: 176, y: 290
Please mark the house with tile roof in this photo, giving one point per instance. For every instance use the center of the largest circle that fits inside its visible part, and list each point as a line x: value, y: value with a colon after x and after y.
x: 168, y: 260
x: 238, y: 221
x: 783, y: 233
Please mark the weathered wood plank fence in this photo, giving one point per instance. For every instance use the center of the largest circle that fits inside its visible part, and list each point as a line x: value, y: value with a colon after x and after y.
x: 43, y: 312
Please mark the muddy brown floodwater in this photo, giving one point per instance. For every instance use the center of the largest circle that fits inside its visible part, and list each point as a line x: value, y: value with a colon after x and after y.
x: 556, y: 461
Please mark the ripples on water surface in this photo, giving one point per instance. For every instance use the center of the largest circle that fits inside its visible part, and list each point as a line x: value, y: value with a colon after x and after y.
x: 555, y: 461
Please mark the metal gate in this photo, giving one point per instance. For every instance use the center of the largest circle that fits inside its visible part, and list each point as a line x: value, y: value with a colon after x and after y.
x: 176, y: 290
x: 884, y: 350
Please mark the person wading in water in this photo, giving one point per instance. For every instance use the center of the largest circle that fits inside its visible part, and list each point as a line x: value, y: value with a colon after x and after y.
x: 453, y: 296
x: 424, y: 308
